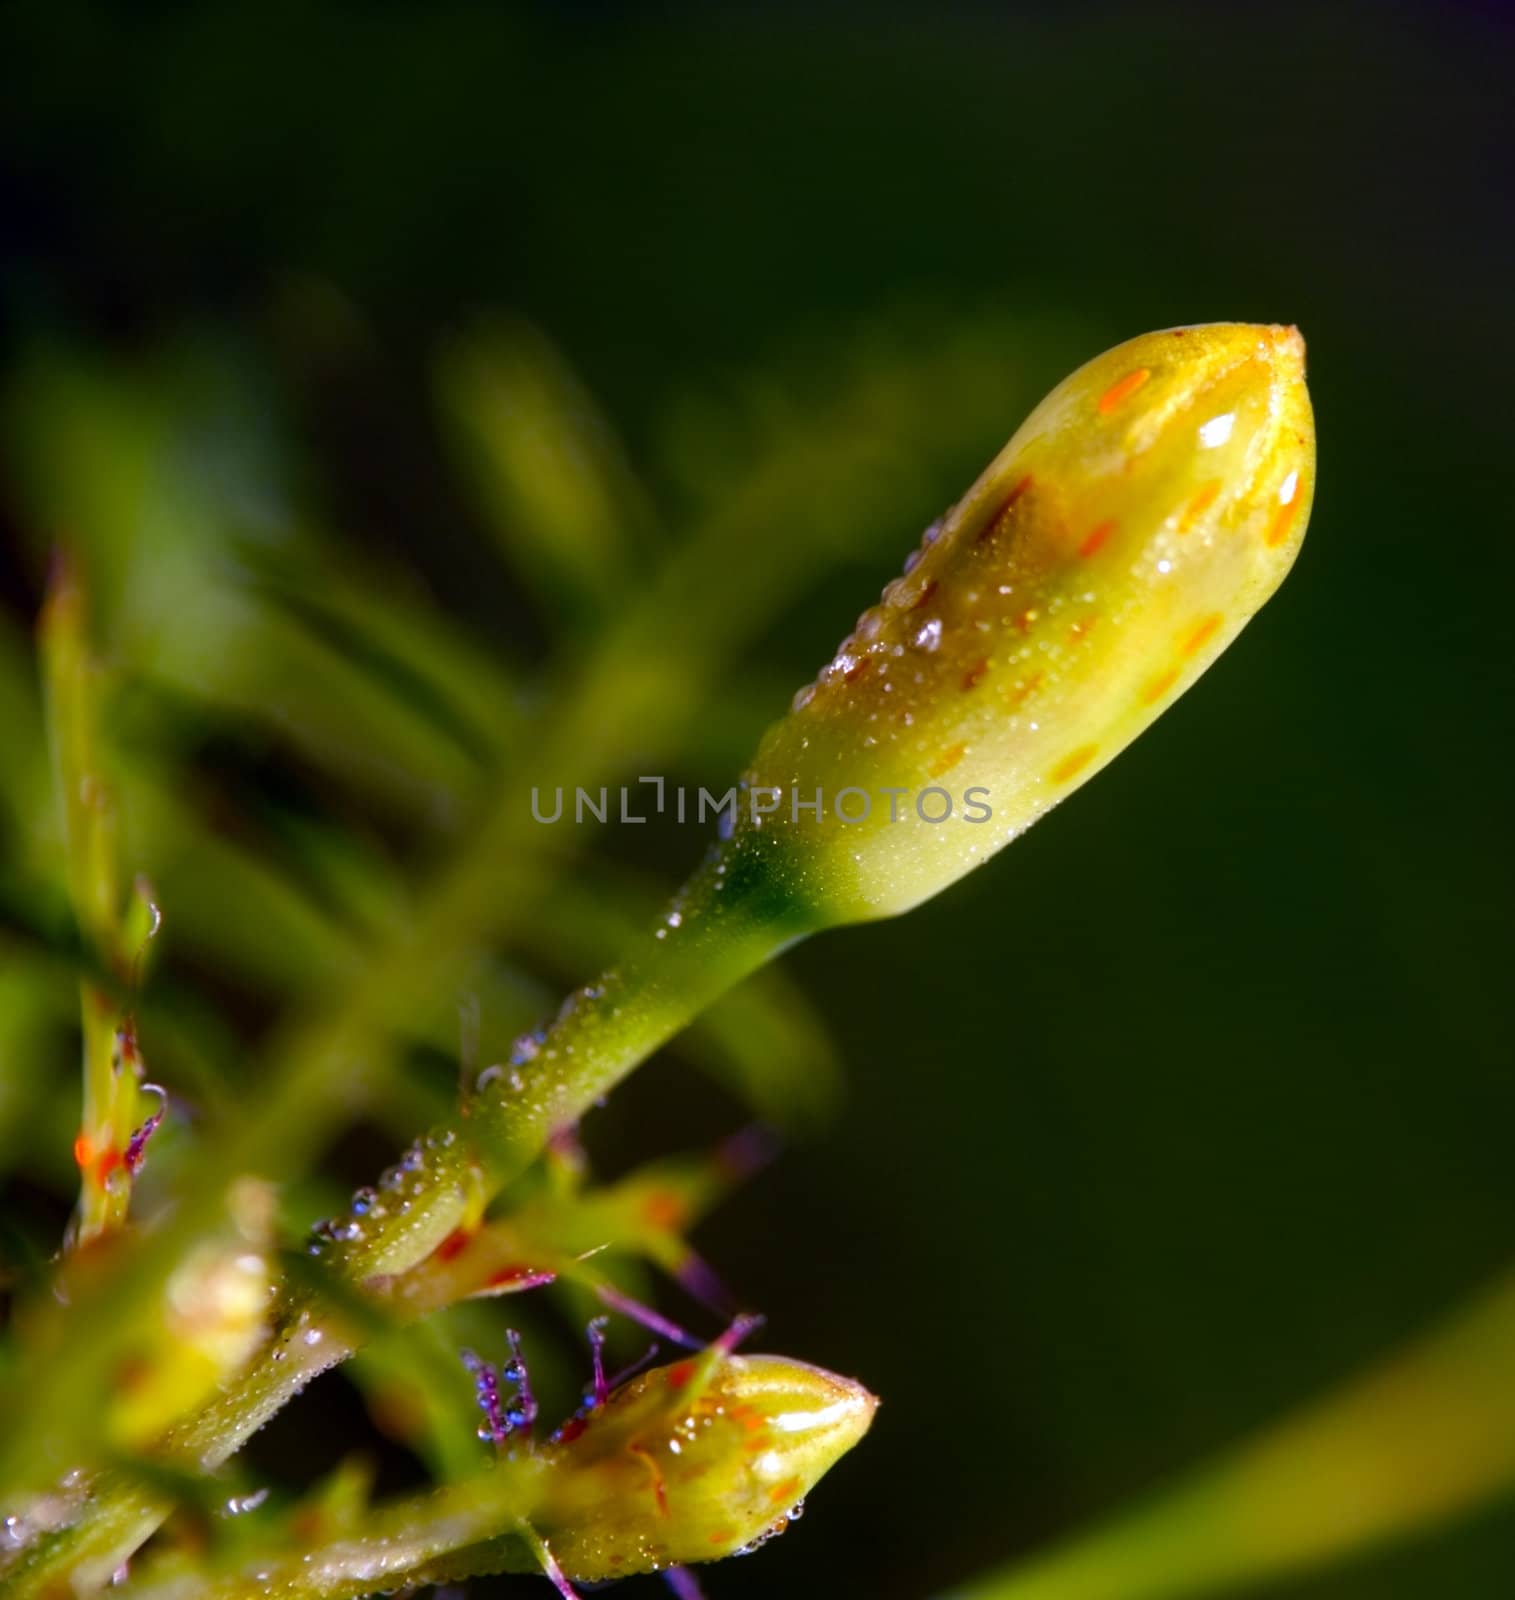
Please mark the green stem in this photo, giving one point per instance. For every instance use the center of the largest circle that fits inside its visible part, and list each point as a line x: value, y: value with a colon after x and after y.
x: 730, y: 919
x: 459, y: 1531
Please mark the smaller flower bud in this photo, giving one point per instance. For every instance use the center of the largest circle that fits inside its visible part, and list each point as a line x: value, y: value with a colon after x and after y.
x: 214, y: 1317
x: 695, y: 1461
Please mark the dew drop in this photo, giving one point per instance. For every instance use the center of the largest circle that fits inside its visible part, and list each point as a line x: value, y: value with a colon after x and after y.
x: 929, y: 635
x: 240, y: 1505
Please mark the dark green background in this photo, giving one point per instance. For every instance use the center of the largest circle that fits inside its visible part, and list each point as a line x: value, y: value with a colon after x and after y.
x: 1201, y: 1096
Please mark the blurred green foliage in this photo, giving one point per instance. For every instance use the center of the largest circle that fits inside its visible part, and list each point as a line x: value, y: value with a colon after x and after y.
x: 1184, y: 1110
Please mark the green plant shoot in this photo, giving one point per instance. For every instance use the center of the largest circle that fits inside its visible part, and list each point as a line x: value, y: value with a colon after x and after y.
x: 1137, y: 520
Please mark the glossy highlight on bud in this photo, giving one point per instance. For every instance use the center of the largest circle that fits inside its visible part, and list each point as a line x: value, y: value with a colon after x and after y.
x: 1122, y: 539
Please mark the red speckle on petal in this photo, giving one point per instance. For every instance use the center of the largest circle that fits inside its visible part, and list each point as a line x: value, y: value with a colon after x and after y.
x: 1122, y: 389
x: 1024, y: 688
x: 1203, y: 634
x: 1202, y: 501
x: 1278, y: 529
x: 1074, y: 763
x: 1097, y: 536
x: 947, y: 760
x: 1159, y: 686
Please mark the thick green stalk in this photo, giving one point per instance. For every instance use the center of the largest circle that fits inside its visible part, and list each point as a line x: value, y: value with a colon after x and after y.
x: 731, y: 918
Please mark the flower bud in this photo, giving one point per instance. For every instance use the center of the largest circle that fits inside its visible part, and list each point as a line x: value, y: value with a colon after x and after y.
x: 214, y: 1317
x: 695, y: 1461
x: 1121, y: 540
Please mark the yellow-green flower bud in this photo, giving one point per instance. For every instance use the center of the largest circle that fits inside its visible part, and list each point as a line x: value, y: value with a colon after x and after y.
x: 693, y: 1462
x: 1139, y: 517
x: 215, y: 1317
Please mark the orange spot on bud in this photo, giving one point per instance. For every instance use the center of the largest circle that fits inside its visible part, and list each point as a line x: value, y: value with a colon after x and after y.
x: 783, y: 1493
x: 1122, y: 389
x: 1074, y: 763
x: 1097, y: 537
x: 947, y: 760
x: 665, y: 1209
x: 106, y: 1163
x: 722, y: 1536
x: 1278, y: 529
x: 975, y: 673
x: 924, y: 596
x: 1203, y: 634
x: 1200, y: 504
x: 679, y: 1374
x: 1024, y: 688
x: 1159, y: 686
x: 1024, y: 621
x: 84, y: 1151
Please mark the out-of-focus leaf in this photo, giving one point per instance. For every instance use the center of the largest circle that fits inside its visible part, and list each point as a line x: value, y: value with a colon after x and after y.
x: 557, y: 490
x: 1425, y: 1437
x: 420, y: 1394
x: 432, y: 669
x: 25, y: 777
